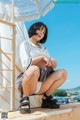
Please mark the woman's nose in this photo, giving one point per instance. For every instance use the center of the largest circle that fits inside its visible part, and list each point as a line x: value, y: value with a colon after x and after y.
x: 40, y: 33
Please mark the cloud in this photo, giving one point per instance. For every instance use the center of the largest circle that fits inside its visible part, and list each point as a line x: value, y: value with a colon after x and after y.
x: 67, y: 81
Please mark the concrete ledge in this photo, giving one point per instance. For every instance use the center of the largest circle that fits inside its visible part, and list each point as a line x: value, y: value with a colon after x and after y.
x: 66, y: 112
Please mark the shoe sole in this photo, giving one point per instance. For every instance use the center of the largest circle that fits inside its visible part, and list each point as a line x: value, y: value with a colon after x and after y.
x: 22, y: 111
x: 55, y: 107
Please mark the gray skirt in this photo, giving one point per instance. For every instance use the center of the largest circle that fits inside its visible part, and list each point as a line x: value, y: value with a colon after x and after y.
x: 44, y: 73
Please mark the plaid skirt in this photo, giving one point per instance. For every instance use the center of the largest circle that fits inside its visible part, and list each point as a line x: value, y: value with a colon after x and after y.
x: 44, y: 73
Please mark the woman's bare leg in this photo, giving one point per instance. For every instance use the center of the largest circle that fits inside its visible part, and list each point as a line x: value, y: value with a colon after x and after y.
x: 30, y: 80
x: 54, y: 81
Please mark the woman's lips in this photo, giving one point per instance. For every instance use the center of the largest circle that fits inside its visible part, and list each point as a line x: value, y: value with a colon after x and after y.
x: 38, y: 35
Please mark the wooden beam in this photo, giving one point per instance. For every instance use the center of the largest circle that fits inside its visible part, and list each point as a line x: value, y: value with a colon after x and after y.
x: 7, y: 23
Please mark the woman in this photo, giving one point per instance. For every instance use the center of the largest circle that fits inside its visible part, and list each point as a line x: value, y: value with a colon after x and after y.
x: 39, y: 76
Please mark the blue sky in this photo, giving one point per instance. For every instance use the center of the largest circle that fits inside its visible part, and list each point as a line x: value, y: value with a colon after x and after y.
x: 63, y: 40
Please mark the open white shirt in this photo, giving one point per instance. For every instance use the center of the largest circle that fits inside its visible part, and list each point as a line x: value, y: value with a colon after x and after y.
x: 28, y: 50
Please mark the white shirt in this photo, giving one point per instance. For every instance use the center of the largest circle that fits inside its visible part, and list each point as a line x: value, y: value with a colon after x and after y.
x: 28, y: 50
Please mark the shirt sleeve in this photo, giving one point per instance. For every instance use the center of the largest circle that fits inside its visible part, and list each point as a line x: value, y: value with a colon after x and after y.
x: 25, y: 57
x: 46, y: 52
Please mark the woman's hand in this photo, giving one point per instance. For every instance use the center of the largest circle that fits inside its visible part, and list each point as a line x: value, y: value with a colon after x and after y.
x: 54, y: 63
x: 47, y: 61
x: 50, y: 62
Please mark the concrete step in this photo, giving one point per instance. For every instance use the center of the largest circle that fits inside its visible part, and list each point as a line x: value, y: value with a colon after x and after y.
x: 66, y: 112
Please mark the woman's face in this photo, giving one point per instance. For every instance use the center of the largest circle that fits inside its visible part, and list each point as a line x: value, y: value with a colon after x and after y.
x: 40, y: 33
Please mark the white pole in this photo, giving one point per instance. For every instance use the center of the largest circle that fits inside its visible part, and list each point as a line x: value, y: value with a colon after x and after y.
x: 37, y: 6
x: 13, y: 62
x: 12, y: 12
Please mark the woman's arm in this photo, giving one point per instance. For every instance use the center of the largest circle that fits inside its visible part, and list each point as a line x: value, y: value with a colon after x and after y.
x: 41, y: 61
x: 37, y: 60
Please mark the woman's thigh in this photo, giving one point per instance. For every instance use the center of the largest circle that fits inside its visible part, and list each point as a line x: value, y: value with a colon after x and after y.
x: 58, y: 74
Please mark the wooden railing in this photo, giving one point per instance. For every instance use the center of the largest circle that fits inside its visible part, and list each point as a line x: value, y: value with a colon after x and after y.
x: 12, y: 60
x: 16, y: 67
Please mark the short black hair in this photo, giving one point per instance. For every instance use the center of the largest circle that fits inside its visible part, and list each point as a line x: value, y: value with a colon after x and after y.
x: 36, y: 26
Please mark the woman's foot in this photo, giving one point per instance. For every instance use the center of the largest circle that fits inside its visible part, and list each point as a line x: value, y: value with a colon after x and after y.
x: 24, y: 105
x: 49, y: 102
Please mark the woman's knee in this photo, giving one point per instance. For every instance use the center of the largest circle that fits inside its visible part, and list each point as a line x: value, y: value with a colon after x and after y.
x: 63, y: 74
x: 32, y: 71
